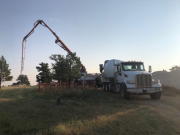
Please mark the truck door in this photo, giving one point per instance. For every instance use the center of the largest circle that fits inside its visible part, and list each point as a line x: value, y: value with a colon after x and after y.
x: 119, y: 75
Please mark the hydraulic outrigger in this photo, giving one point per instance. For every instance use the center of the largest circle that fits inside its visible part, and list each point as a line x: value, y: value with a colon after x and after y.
x: 57, y: 41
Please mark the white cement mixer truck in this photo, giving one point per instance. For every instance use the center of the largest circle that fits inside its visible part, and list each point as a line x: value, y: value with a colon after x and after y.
x: 129, y: 77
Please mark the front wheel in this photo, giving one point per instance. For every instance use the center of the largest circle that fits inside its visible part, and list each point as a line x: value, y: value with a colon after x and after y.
x: 103, y: 86
x: 155, y: 95
x: 124, y: 93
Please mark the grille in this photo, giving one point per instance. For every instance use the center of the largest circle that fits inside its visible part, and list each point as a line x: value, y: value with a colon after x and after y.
x: 143, y: 81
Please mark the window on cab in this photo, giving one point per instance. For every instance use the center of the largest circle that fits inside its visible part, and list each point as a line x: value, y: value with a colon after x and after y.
x: 132, y: 66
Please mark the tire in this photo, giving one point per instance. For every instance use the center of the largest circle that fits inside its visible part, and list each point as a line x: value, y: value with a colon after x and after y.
x: 156, y: 95
x: 106, y: 86
x: 103, y: 86
x: 124, y: 93
x: 109, y: 86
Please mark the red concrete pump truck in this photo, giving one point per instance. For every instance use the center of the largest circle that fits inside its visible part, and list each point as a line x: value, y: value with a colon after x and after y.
x: 57, y: 41
x: 87, y: 78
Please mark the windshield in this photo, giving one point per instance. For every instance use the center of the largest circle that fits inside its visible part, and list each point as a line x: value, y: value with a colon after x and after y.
x: 133, y: 67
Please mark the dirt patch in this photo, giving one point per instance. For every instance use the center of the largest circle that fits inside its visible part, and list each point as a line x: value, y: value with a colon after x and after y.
x: 170, y: 91
x: 166, y: 105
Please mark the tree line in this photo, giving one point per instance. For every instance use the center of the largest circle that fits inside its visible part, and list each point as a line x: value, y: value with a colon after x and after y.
x: 65, y: 68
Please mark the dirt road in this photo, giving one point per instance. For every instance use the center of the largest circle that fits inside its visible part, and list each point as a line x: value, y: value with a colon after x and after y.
x: 167, y: 106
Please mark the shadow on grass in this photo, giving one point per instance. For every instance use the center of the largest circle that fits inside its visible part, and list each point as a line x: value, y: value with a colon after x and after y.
x: 141, y: 120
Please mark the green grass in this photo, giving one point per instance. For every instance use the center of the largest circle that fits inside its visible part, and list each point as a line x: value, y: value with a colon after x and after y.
x: 27, y: 111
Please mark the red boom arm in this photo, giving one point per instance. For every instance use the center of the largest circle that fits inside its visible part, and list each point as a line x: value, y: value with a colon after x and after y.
x: 58, y: 41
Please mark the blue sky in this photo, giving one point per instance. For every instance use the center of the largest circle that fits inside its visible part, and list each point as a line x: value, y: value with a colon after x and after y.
x: 96, y: 30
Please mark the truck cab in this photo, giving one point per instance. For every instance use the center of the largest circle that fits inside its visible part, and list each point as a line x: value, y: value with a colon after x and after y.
x: 129, y: 77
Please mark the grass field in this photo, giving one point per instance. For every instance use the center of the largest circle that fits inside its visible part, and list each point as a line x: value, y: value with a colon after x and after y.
x: 27, y: 111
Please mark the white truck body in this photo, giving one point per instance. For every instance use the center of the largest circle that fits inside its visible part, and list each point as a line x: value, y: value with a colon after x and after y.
x: 131, y: 74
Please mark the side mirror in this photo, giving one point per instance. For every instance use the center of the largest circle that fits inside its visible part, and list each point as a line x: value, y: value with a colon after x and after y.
x: 115, y: 63
x: 150, y: 69
x: 101, y: 68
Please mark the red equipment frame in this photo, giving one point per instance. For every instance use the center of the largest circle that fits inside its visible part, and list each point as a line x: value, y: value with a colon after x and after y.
x: 57, y: 41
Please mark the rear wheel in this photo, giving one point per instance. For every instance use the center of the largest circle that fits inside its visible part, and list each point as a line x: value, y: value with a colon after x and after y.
x: 106, y: 86
x: 124, y: 93
x: 155, y: 95
x: 109, y: 87
x: 103, y: 86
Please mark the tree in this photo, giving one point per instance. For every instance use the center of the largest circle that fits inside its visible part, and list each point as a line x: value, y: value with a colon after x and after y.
x: 74, y: 66
x: 23, y: 79
x: 4, y: 71
x: 175, y: 68
x: 44, y: 75
x: 66, y: 68
x: 59, y: 68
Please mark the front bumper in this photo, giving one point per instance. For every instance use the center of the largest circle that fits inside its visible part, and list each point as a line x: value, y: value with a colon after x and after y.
x: 144, y: 90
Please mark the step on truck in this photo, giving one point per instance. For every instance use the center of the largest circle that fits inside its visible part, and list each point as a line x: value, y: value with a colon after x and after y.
x: 128, y: 78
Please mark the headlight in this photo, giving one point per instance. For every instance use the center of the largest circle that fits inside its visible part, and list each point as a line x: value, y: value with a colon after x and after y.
x: 155, y: 81
x: 129, y: 81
